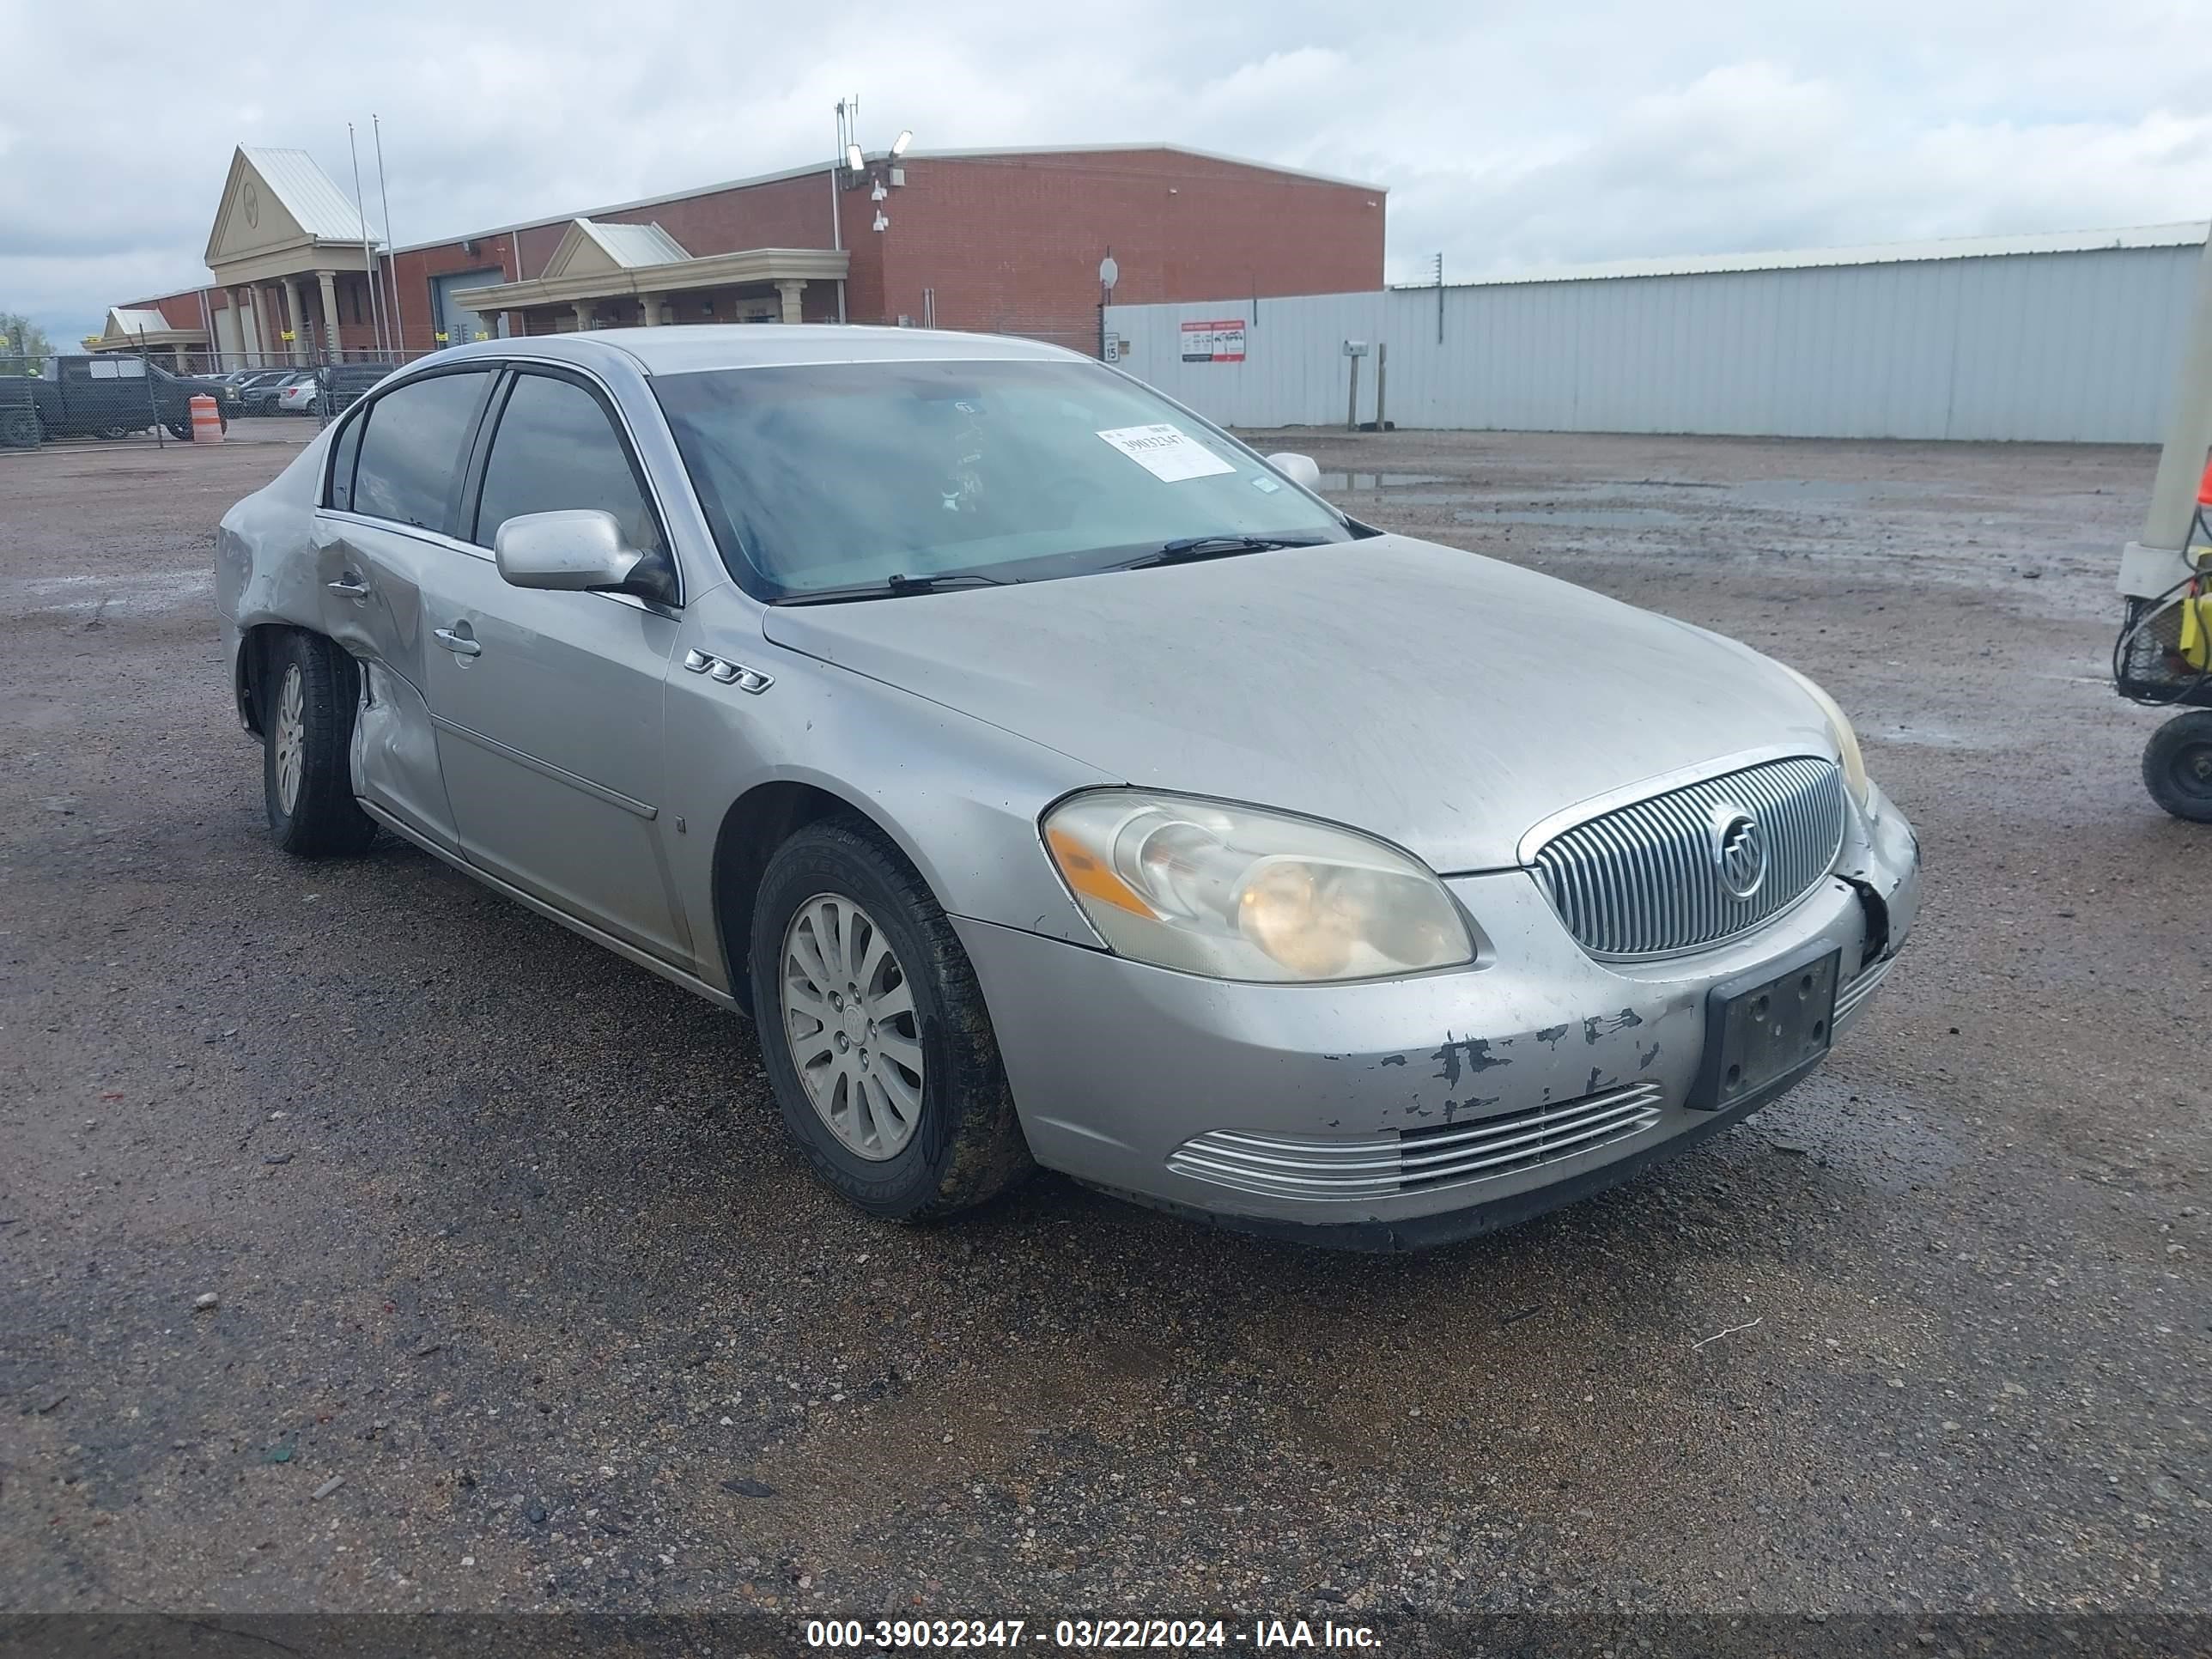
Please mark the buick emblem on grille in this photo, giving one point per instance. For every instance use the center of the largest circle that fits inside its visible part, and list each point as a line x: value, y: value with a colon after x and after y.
x: 1739, y: 852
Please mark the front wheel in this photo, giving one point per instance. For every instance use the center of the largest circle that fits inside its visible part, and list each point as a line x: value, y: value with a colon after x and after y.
x: 873, y: 1031
x: 307, y: 725
x: 2177, y: 766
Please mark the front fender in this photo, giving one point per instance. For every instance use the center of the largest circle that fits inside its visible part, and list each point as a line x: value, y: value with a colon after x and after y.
x: 959, y: 796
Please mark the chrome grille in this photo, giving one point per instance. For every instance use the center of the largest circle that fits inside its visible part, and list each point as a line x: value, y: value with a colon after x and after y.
x: 1640, y: 880
x: 1417, y: 1160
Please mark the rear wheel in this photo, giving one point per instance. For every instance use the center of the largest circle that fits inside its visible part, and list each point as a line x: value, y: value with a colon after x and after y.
x: 2177, y: 766
x: 873, y: 1031
x: 307, y: 690
x: 19, y: 430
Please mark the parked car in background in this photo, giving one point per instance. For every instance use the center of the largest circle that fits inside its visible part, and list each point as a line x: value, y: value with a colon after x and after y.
x: 260, y: 395
x: 1058, y: 781
x: 302, y: 395
x: 113, y: 396
x: 343, y: 384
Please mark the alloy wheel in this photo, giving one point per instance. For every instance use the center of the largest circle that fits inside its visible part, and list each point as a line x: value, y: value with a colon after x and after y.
x: 290, y: 738
x: 848, y: 1016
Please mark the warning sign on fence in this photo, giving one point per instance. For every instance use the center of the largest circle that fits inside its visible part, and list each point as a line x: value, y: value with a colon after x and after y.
x: 1214, y: 342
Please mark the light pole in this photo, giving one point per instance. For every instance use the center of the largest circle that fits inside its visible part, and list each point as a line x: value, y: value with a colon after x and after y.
x: 1108, y: 274
x: 854, y: 162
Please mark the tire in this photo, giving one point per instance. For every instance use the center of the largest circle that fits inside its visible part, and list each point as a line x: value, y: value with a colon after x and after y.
x: 307, y: 696
x: 181, y: 431
x: 20, y: 428
x: 2177, y: 766
x: 948, y: 1143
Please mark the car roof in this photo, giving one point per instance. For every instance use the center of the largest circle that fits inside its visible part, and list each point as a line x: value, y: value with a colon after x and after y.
x: 686, y: 349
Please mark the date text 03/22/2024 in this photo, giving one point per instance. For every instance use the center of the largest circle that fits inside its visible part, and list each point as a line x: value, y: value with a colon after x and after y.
x: 1088, y: 1635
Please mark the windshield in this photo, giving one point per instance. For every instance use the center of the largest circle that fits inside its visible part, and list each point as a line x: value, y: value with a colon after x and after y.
x: 840, y: 475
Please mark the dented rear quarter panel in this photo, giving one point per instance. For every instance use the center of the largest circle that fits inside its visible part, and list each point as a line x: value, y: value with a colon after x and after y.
x: 264, y: 568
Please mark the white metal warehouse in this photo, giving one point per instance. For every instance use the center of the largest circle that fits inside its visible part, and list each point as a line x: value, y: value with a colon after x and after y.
x: 2067, y: 338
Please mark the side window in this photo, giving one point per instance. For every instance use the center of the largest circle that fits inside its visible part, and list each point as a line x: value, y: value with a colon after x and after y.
x: 409, y: 449
x: 557, y: 450
x: 342, y: 460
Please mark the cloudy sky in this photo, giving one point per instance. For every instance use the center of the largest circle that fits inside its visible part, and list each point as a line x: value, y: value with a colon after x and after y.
x: 1509, y: 134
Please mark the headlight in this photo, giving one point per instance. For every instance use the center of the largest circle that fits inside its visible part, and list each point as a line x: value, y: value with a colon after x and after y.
x: 1847, y: 741
x: 1234, y: 892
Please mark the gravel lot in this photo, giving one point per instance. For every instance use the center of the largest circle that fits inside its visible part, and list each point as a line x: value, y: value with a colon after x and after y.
x: 505, y: 1236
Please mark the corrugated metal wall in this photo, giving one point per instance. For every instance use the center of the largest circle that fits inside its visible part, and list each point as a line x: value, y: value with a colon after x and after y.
x: 2074, y: 347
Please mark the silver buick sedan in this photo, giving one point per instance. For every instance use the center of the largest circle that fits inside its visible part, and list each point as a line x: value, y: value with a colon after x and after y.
x: 1057, y: 781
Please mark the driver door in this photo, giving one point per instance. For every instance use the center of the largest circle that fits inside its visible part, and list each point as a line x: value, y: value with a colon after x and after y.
x: 547, y: 705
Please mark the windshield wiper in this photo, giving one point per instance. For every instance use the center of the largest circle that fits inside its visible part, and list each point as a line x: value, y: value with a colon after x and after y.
x: 1188, y: 549
x: 893, y: 587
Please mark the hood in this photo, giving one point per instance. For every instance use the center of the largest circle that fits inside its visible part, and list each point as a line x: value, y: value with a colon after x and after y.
x: 1441, y: 700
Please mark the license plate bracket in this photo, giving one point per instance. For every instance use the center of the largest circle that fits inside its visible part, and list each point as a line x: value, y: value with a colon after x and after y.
x: 1766, y: 1025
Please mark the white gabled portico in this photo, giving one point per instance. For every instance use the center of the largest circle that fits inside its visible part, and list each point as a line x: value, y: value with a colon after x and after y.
x: 142, y: 328
x: 283, y: 224
x: 608, y: 275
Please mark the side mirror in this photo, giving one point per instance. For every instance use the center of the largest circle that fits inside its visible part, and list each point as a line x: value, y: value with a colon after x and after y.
x: 572, y: 551
x: 1298, y: 468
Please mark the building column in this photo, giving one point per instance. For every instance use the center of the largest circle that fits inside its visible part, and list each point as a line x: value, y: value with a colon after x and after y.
x: 791, y: 288
x: 296, y: 319
x: 326, y: 282
x: 584, y: 308
x: 649, y: 310
x: 249, y: 324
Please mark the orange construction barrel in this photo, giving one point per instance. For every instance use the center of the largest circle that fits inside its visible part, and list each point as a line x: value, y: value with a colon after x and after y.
x: 2204, y: 489
x: 206, y: 420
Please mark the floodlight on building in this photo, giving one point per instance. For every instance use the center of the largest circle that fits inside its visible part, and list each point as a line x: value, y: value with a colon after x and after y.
x: 854, y: 159
x: 899, y: 143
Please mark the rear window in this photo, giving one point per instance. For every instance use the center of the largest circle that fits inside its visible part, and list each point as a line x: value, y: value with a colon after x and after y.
x: 410, y: 449
x: 342, y: 457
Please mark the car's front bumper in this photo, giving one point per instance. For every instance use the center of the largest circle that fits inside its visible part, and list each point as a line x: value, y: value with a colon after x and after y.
x: 1394, y: 1114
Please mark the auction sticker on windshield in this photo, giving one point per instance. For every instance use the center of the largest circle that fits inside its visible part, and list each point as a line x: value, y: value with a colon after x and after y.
x: 1166, y: 451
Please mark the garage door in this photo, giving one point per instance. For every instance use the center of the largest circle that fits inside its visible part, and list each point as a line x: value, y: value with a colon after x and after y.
x: 456, y: 323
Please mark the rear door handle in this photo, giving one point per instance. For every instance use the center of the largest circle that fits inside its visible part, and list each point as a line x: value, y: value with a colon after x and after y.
x: 350, y: 585
x: 459, y: 643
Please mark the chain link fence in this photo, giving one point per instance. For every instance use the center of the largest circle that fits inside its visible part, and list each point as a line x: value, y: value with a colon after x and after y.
x: 126, y: 396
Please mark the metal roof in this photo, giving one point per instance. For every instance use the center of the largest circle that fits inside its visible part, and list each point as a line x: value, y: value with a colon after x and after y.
x: 824, y: 166
x: 126, y: 322
x: 307, y: 192
x: 1011, y: 150
x: 634, y: 247
x: 2186, y: 234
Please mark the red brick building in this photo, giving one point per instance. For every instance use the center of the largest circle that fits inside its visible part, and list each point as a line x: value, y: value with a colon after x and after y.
x: 1006, y: 241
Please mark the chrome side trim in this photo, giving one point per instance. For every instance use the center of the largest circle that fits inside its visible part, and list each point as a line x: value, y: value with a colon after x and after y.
x: 723, y: 672
x: 598, y: 791
x: 628, y: 952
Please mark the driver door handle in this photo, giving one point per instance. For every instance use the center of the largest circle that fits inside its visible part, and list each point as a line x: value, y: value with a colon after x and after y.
x: 459, y: 643
x: 350, y: 585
